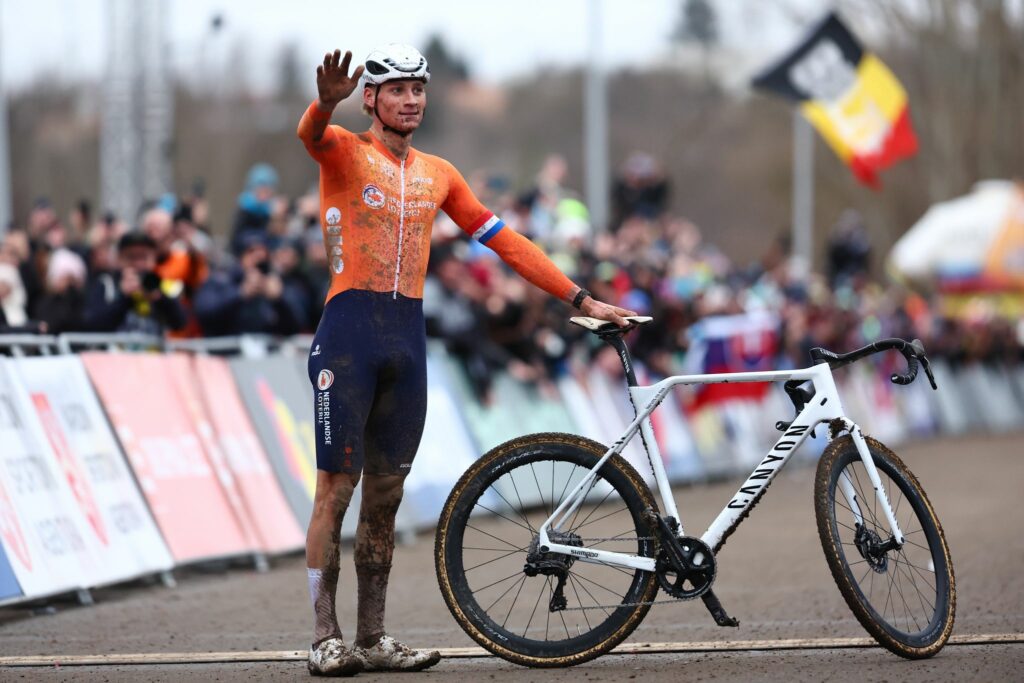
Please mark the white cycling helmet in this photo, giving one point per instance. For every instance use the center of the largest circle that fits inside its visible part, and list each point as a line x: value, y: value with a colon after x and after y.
x: 393, y: 62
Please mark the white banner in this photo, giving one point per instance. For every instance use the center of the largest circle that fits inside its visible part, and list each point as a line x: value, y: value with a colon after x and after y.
x: 94, y: 465
x: 446, y: 451
x: 43, y: 530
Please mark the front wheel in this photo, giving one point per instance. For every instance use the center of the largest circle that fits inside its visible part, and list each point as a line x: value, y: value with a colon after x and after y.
x: 487, y: 557
x: 905, y: 597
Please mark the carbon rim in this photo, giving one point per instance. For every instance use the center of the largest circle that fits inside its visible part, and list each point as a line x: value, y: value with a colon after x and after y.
x: 487, y: 558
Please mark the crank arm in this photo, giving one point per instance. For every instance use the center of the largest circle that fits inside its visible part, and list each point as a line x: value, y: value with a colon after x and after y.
x: 717, y: 611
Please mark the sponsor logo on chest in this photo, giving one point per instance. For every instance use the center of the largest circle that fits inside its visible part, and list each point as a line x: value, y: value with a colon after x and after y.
x: 373, y: 196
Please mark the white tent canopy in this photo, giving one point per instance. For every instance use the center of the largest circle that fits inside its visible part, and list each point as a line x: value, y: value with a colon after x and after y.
x: 954, y: 237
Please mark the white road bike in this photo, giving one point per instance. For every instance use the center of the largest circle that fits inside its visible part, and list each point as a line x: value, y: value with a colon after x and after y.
x: 551, y: 548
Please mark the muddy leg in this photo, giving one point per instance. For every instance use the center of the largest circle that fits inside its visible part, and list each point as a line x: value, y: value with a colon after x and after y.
x: 333, y: 495
x: 375, y: 544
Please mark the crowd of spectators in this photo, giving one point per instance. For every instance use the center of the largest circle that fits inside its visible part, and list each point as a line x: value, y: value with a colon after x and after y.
x: 165, y: 274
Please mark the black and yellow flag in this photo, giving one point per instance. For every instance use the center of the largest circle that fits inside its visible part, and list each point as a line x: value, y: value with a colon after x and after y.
x: 849, y: 95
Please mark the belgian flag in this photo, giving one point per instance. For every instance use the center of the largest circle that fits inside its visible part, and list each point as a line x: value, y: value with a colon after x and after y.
x: 849, y: 95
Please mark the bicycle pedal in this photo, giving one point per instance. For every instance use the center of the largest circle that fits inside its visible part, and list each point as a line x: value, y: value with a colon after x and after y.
x: 717, y: 611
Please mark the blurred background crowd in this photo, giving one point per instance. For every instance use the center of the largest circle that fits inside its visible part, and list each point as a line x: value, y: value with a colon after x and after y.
x: 163, y: 273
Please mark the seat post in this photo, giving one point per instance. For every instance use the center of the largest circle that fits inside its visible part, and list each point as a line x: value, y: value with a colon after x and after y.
x: 614, y: 339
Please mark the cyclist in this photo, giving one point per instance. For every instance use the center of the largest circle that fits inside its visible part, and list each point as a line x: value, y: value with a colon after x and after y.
x: 378, y: 200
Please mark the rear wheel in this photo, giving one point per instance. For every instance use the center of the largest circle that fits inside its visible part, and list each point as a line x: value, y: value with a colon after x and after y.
x: 488, y: 527
x: 905, y: 596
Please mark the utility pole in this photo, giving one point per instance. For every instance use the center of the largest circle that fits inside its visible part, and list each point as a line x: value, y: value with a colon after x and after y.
x: 138, y: 103
x: 803, y: 191
x: 595, y: 123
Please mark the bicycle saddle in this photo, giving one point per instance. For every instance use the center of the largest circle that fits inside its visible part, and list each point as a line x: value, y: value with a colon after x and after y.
x: 597, y: 325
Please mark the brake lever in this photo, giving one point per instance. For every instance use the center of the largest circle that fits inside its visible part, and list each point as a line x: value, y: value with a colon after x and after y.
x: 917, y: 348
x: 928, y: 371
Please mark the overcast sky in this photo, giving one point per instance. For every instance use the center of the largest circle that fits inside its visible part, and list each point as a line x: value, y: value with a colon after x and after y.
x: 499, y: 40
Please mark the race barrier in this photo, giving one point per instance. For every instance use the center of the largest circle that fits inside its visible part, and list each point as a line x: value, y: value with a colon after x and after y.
x: 94, y: 465
x: 159, y: 437
x: 232, y: 433
x: 55, y: 538
x: 119, y: 464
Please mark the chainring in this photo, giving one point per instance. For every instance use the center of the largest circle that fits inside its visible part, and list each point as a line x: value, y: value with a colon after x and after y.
x: 698, y: 581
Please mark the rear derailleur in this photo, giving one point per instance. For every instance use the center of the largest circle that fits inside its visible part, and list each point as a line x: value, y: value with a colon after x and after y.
x: 539, y: 562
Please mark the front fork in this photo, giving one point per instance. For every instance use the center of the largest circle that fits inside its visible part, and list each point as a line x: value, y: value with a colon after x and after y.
x: 846, y: 486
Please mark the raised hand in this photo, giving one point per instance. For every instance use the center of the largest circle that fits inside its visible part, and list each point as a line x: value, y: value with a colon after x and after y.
x: 332, y: 79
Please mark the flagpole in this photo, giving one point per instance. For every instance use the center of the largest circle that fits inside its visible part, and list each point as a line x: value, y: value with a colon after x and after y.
x: 803, y: 192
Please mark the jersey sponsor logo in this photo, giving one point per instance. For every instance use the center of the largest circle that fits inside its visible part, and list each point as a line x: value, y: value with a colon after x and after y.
x: 333, y: 241
x: 316, y: 351
x: 333, y: 216
x: 324, y: 380
x: 373, y: 196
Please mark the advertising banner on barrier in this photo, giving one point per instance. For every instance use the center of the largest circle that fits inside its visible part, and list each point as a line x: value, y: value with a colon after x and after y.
x: 868, y: 399
x: 446, y: 451
x: 993, y: 391
x: 513, y: 408
x: 282, y: 413
x: 10, y: 591
x: 678, y: 449
x: 92, y: 462
x: 179, y: 370
x: 43, y: 531
x: 166, y: 455
x: 276, y: 526
x: 610, y: 403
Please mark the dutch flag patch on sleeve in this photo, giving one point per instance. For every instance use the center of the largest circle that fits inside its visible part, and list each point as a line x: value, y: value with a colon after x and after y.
x: 489, y: 229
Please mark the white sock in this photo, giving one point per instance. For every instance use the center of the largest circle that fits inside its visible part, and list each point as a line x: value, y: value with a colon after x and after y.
x: 314, y: 576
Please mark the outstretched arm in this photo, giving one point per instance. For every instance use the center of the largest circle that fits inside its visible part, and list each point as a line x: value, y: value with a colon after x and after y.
x: 333, y: 85
x: 527, y: 259
x: 524, y: 256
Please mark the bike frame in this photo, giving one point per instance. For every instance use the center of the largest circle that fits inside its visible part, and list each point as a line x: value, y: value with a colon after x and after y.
x: 824, y: 407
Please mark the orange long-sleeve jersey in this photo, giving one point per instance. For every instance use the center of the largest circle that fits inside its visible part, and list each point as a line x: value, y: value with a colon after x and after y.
x: 377, y: 213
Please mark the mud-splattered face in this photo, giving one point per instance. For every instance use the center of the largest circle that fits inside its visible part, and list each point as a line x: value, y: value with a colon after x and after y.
x: 400, y: 104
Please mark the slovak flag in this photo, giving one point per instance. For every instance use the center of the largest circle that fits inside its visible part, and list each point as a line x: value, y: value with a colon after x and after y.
x: 850, y: 97
x: 731, y: 343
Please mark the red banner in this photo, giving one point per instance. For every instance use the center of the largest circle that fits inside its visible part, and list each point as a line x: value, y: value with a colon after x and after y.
x: 164, y: 450
x: 276, y: 526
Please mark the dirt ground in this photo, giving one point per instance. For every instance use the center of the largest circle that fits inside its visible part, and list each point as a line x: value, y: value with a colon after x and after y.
x: 772, y: 576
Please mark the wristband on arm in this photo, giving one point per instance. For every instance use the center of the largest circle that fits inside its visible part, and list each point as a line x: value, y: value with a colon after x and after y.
x: 580, y: 296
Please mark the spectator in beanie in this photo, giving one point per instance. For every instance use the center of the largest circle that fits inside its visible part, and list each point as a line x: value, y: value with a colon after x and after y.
x: 60, y: 308
x: 255, y: 205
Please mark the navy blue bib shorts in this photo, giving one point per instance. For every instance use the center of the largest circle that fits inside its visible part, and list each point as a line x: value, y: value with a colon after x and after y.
x: 368, y: 366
